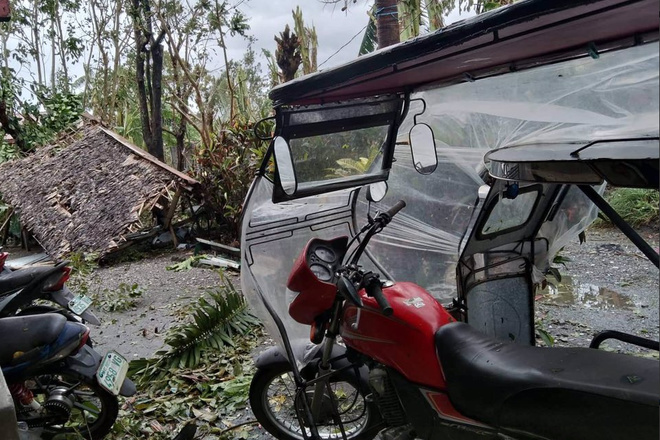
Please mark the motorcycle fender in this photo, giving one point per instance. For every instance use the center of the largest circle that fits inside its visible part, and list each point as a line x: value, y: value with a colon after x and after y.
x: 310, y: 353
x: 85, y: 363
x: 62, y: 297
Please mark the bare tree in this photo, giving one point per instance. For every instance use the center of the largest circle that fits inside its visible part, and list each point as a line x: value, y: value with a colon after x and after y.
x: 149, y: 75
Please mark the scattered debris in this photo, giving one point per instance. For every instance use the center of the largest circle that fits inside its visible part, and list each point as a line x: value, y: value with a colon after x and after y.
x: 220, y: 262
x: 232, y: 251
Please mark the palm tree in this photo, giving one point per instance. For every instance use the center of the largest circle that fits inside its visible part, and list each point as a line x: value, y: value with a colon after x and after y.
x: 387, y: 22
x: 392, y: 21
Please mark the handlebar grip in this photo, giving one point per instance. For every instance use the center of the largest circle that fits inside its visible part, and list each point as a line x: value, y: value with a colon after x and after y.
x: 375, y: 291
x: 398, y: 206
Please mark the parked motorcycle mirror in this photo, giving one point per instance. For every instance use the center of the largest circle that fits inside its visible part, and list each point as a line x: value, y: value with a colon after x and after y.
x: 422, y: 146
x: 376, y: 191
x: 348, y: 291
x: 284, y: 162
x: 422, y: 143
x: 263, y: 129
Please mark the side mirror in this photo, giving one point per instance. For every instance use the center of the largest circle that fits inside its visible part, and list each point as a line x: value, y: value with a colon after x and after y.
x: 422, y: 146
x: 284, y: 164
x: 376, y: 192
x: 263, y: 129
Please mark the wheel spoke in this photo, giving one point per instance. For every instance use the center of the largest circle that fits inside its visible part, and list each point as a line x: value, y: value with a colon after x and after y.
x: 281, y: 398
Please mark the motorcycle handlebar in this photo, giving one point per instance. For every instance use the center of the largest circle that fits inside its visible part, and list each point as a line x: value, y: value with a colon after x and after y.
x: 398, y: 206
x: 375, y: 291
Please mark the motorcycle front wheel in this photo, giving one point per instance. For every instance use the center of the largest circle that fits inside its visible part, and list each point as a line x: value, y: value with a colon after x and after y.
x: 71, y: 408
x: 273, y: 400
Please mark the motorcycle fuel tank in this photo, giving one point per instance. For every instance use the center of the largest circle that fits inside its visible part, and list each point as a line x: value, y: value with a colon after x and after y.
x: 404, y: 340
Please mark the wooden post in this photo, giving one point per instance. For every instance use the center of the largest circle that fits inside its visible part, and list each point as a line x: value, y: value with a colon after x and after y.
x: 25, y: 238
x: 170, y: 215
x: 4, y: 230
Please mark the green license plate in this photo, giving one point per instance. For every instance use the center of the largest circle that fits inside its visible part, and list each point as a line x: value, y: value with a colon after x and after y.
x: 112, y: 372
x: 79, y: 304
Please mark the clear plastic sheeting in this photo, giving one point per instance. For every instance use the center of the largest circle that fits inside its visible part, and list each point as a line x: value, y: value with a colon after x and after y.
x: 582, y: 100
x: 421, y: 244
x: 586, y: 99
x: 272, y: 237
x: 575, y: 213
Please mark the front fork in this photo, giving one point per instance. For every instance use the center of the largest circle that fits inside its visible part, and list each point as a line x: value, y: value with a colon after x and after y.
x: 324, y: 364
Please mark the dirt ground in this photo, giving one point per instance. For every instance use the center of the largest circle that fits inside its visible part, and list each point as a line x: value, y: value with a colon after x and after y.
x: 606, y: 284
x: 140, y: 331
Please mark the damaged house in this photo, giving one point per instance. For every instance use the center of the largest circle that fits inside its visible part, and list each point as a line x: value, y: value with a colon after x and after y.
x: 92, y: 191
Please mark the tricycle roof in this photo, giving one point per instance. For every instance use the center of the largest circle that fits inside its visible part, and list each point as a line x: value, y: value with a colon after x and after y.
x: 522, y: 35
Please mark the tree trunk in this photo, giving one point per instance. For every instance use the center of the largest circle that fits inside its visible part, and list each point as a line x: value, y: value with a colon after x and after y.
x: 156, y: 147
x: 149, y: 52
x: 141, y: 86
x: 387, y: 23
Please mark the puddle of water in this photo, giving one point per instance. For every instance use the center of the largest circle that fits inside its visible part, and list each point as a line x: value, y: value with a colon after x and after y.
x: 573, y: 292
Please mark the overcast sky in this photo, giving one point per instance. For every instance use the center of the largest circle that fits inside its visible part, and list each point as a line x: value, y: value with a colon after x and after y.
x: 335, y: 28
x: 339, y: 33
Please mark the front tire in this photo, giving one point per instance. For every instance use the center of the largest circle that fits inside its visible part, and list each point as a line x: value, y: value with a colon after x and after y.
x: 272, y: 398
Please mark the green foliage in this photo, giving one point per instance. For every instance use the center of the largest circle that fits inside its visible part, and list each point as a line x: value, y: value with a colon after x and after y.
x: 215, y: 324
x: 226, y: 169
x: 207, y: 394
x: 123, y: 298
x: 82, y: 266
x: 490, y: 5
x: 37, y: 124
x: 186, y: 264
x: 546, y: 337
x: 369, y: 40
x: 308, y: 42
x: 638, y: 207
x: 62, y: 110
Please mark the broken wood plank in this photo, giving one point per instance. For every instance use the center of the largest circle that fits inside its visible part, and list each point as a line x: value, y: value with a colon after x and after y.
x: 221, y: 247
x: 172, y: 209
x: 220, y: 262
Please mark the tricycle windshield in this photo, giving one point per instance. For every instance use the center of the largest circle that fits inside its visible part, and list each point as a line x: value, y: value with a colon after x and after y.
x: 331, y: 156
x: 610, y: 96
x: 338, y: 145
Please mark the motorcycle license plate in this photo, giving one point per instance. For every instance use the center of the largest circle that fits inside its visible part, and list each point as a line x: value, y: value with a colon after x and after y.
x: 79, y: 304
x: 112, y: 372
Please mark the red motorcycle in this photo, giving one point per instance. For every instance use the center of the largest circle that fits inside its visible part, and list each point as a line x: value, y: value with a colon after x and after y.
x: 407, y: 368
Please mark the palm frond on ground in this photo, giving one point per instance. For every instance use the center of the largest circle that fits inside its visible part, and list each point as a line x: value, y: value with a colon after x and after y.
x: 216, y: 322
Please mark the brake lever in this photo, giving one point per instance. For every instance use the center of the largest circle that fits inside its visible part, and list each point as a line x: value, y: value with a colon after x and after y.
x: 347, y: 290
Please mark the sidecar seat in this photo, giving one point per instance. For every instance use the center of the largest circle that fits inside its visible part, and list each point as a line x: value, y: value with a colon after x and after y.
x: 553, y: 393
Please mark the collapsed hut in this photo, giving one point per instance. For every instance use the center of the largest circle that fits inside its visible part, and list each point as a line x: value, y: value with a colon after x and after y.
x: 93, y: 191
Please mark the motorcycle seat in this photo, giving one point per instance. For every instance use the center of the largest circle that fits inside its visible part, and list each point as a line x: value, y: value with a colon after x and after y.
x: 13, y: 280
x: 552, y: 393
x: 24, y: 333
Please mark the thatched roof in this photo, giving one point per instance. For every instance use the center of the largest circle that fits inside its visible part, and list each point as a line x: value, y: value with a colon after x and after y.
x: 87, y: 191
